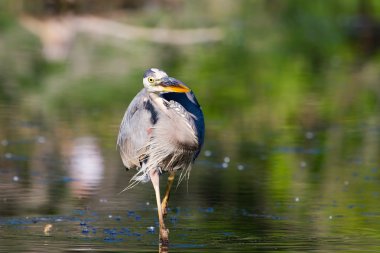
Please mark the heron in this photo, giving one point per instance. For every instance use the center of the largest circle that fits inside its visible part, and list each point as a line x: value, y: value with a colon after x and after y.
x: 162, y: 131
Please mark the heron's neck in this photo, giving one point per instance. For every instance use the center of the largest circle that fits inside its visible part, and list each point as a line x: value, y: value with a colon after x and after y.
x: 158, y: 101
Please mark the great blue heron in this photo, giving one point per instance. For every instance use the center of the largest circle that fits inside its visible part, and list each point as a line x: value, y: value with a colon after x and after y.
x: 162, y: 131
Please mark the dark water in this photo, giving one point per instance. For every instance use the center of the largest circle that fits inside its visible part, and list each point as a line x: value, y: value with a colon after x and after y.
x: 303, y: 191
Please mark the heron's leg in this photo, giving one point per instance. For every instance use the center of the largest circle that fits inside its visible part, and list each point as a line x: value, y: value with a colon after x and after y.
x: 165, y: 201
x: 164, y: 233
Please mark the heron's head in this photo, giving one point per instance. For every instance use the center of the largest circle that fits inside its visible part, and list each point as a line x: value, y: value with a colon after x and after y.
x: 157, y: 81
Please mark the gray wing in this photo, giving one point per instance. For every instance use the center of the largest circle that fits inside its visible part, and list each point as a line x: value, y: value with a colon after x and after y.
x: 191, y: 105
x: 138, y: 119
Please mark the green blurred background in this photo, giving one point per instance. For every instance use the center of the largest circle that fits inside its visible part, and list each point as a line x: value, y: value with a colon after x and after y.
x: 310, y: 64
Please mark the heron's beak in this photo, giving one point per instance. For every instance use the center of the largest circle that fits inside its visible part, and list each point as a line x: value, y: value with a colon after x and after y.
x: 170, y: 84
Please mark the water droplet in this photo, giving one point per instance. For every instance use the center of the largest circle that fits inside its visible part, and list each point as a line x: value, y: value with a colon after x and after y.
x: 41, y: 139
x: 309, y: 135
x: 150, y: 229
x: 208, y: 153
x: 85, y: 230
x: 103, y: 200
x: 240, y: 167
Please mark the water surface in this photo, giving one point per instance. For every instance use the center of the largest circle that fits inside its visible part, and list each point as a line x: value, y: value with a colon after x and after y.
x: 302, y: 190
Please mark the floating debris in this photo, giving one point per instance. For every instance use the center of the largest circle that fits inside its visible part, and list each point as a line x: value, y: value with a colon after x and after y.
x: 47, y: 229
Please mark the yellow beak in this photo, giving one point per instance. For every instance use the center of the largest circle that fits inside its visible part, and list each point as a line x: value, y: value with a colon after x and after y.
x: 170, y: 84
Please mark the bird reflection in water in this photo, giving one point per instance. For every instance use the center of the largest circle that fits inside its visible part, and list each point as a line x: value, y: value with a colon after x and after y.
x: 86, y: 167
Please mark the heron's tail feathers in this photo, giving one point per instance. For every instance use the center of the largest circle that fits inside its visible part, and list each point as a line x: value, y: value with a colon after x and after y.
x: 185, y: 174
x: 141, y: 176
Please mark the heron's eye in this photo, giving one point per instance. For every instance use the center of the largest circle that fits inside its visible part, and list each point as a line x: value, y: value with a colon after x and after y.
x: 151, y: 79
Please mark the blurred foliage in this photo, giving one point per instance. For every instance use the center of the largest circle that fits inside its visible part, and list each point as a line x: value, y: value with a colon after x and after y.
x: 281, y: 63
